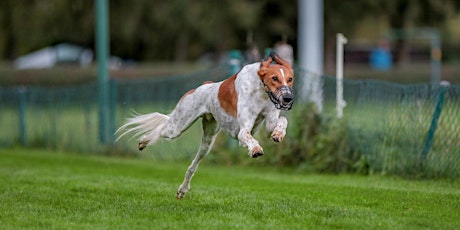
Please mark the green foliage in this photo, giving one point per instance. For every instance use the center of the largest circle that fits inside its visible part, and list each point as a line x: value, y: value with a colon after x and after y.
x: 56, y: 190
x: 313, y: 143
x: 317, y: 142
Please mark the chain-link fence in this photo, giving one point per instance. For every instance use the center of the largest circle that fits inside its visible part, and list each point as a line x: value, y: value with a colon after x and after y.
x: 399, y: 129
x: 404, y: 129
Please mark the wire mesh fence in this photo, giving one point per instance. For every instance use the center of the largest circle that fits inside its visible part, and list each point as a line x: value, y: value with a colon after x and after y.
x: 404, y: 129
x: 398, y: 129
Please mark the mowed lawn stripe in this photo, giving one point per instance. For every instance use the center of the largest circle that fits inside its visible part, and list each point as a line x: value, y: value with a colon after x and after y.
x: 46, y: 189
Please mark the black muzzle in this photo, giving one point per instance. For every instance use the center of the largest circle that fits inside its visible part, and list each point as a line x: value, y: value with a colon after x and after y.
x: 283, y: 97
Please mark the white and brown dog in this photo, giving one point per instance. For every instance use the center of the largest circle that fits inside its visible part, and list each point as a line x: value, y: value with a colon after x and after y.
x: 237, y: 105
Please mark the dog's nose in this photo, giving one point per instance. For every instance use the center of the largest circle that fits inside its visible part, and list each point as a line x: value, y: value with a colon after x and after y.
x: 287, y: 98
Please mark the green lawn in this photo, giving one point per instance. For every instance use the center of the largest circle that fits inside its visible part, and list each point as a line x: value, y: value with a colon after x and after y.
x: 49, y: 190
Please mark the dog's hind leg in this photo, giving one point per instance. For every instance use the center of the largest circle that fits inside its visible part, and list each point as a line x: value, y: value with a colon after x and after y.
x: 210, y: 130
x: 187, y: 111
x: 154, y: 126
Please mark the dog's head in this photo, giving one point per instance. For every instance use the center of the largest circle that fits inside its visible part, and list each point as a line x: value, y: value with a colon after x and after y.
x: 278, y: 79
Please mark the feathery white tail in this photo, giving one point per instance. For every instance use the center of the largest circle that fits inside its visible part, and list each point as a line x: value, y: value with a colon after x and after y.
x: 147, y: 126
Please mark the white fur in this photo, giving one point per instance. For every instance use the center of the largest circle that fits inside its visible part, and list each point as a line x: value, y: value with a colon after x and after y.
x: 148, y: 126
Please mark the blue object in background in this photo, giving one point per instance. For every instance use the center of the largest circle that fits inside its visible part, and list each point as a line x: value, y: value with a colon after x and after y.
x: 381, y: 59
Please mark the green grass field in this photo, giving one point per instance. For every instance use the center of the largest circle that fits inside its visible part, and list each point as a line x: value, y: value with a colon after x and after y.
x: 54, y: 190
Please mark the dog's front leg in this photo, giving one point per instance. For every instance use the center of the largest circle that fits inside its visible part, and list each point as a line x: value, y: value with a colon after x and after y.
x: 278, y: 128
x: 246, y: 139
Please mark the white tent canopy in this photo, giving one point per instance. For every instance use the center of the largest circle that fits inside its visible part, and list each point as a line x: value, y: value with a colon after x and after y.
x: 50, y: 56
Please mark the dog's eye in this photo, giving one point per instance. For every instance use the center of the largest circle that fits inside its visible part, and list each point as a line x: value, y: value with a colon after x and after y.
x: 290, y: 79
x: 275, y: 78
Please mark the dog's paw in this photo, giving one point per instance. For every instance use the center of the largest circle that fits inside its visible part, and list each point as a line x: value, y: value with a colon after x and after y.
x: 141, y: 145
x: 183, y: 189
x: 277, y: 136
x: 180, y: 195
x: 256, y: 152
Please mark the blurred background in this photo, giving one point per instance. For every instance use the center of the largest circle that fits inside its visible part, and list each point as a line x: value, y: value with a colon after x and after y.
x: 396, y: 119
x: 202, y: 32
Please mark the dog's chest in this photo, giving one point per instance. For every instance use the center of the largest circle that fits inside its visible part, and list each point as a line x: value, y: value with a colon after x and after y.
x: 252, y: 102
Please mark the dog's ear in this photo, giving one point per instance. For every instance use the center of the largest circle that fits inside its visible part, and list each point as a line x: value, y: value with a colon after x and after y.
x: 279, y: 60
x: 266, y: 62
x: 264, y: 65
x: 261, y: 72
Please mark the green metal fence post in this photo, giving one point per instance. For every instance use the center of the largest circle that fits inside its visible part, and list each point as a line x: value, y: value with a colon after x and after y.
x: 22, y: 114
x: 434, y: 121
x: 102, y: 51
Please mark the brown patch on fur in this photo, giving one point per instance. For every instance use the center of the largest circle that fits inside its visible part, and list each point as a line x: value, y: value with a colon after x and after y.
x: 186, y: 94
x: 227, y: 96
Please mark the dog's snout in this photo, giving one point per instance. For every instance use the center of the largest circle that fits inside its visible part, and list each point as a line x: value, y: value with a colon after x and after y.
x: 286, y: 94
x: 283, y: 97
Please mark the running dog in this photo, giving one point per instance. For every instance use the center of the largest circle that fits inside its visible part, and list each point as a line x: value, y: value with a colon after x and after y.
x: 237, y: 105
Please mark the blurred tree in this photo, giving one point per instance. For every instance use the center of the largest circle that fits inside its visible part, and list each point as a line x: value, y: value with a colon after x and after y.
x: 405, y: 14
x: 342, y: 17
x: 147, y: 30
x: 28, y: 25
x: 182, y: 30
x: 179, y: 29
x: 7, y: 42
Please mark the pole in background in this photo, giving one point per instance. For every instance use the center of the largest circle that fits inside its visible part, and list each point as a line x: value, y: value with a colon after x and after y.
x: 434, y: 37
x: 436, y: 55
x: 341, y: 40
x: 311, y: 49
x: 102, y: 52
x: 444, y: 87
